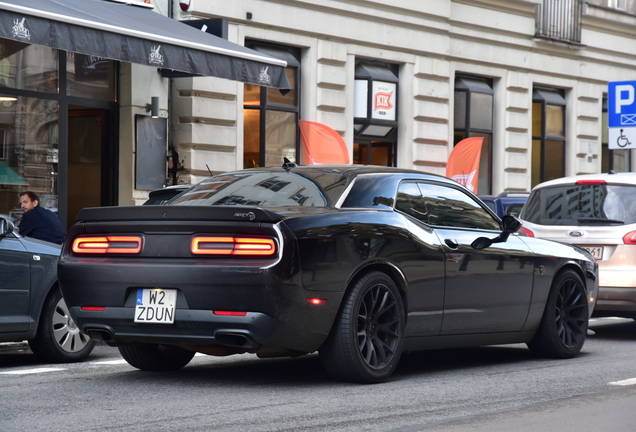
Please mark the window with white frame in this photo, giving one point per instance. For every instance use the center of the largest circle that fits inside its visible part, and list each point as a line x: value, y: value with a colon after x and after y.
x: 618, y: 4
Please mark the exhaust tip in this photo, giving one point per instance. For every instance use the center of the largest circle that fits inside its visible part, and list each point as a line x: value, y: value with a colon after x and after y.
x: 236, y: 340
x: 100, y: 335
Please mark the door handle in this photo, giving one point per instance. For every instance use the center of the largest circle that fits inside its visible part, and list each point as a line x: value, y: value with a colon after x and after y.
x: 452, y: 243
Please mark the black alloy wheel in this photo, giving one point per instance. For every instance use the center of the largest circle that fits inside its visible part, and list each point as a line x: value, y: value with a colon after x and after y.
x: 563, y: 327
x: 365, y: 343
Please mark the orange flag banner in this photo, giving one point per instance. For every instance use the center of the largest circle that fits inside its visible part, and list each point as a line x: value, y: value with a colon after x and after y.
x: 321, y: 144
x: 463, y: 163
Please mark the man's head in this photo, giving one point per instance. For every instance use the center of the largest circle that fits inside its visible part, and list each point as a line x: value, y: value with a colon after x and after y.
x: 29, y: 200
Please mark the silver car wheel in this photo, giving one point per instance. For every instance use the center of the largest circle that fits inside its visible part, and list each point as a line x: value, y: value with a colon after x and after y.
x: 65, y: 331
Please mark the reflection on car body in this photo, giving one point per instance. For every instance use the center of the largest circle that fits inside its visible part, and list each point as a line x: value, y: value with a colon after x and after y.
x: 359, y: 263
x: 162, y: 196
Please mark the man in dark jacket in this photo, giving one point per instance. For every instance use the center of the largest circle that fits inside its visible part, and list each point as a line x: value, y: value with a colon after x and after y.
x: 38, y: 222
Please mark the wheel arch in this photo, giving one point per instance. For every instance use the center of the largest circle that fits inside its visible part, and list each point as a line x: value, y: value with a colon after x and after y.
x: 36, y: 306
x: 390, y: 270
x: 570, y: 265
x: 541, y: 292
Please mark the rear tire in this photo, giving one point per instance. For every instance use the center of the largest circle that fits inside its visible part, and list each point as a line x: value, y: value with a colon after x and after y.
x: 365, y: 343
x: 58, y: 339
x: 157, y: 358
x: 563, y: 328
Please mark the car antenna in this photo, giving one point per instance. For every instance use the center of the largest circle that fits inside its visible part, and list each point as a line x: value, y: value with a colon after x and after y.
x: 288, y: 164
x: 209, y: 170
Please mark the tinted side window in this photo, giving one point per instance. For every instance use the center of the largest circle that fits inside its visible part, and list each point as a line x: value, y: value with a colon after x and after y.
x: 451, y: 207
x: 411, y: 202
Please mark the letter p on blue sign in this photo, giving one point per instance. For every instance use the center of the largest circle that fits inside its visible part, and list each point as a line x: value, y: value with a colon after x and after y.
x: 621, y: 100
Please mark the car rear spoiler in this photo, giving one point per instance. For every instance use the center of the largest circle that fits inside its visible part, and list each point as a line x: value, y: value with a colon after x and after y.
x: 182, y: 213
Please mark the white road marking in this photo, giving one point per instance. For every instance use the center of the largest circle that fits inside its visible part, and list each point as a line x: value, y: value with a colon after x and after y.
x: 626, y: 382
x: 31, y: 371
x: 110, y: 362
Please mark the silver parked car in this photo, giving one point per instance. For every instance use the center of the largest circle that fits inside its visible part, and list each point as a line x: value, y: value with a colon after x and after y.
x: 598, y: 213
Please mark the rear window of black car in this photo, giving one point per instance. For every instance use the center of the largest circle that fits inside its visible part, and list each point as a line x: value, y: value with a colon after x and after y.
x: 267, y: 189
x: 581, y: 205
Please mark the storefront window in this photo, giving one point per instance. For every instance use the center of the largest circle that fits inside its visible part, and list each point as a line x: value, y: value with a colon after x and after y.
x: 29, y: 131
x: 375, y: 113
x: 280, y: 131
x: 270, y: 118
x: 548, y: 135
x: 473, y: 115
x: 91, y: 77
x: 28, y: 67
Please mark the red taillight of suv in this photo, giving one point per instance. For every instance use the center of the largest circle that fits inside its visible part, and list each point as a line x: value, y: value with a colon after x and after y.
x: 526, y: 232
x: 630, y: 238
x: 233, y: 246
x: 107, y: 245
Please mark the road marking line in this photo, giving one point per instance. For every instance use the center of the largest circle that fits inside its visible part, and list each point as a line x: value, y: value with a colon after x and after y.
x: 31, y: 371
x: 109, y: 362
x: 626, y: 382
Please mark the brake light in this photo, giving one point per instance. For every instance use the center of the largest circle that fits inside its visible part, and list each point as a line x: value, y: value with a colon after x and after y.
x: 229, y: 313
x: 630, y: 238
x: 526, y: 232
x: 590, y: 182
x: 233, y: 246
x: 316, y: 301
x: 107, y: 245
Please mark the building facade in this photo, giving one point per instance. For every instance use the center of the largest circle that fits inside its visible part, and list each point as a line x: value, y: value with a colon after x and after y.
x: 530, y: 76
x: 402, y: 82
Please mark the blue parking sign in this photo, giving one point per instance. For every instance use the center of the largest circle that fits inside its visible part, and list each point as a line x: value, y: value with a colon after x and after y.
x: 621, y: 104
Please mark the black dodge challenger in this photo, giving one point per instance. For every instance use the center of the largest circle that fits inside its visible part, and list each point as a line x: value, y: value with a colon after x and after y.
x: 359, y: 263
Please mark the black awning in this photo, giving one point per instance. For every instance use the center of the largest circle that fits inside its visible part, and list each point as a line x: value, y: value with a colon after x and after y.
x: 138, y: 35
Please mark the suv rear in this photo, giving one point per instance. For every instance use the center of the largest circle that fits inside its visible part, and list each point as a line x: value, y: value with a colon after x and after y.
x: 598, y: 213
x: 506, y: 203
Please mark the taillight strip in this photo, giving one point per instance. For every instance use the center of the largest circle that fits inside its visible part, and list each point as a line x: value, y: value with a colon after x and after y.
x: 107, y: 245
x: 233, y: 246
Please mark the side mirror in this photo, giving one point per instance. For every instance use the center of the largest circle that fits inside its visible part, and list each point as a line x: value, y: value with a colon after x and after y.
x: 511, y: 224
x: 6, y: 227
x: 482, y: 243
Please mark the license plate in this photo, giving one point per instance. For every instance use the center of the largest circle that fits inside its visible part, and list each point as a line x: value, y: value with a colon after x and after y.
x: 155, y: 305
x: 596, y: 251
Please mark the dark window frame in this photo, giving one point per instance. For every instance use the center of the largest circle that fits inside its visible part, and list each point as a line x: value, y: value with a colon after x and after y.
x: 557, y: 97
x: 264, y: 105
x: 369, y: 142
x: 464, y: 84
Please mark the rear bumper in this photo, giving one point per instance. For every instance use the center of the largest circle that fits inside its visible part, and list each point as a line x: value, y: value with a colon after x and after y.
x: 277, y: 311
x: 616, y: 301
x: 196, y: 327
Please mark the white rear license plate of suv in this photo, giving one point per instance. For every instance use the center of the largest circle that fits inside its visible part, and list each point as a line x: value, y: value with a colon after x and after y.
x: 596, y: 251
x: 155, y: 305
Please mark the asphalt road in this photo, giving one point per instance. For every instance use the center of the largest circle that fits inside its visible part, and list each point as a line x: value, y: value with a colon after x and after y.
x: 502, y: 388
